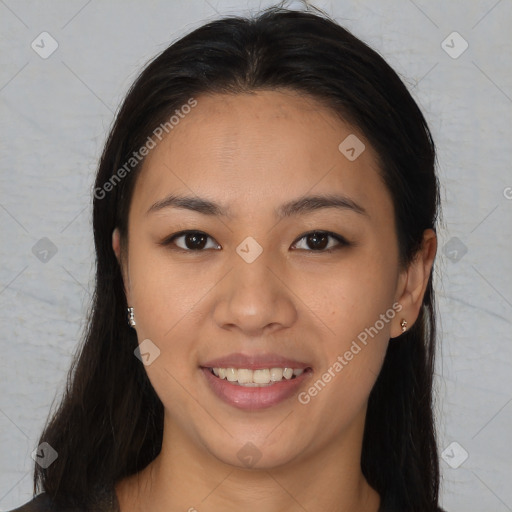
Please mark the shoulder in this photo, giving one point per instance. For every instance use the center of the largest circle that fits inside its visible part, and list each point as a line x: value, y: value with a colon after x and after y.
x: 103, y: 501
x: 41, y: 503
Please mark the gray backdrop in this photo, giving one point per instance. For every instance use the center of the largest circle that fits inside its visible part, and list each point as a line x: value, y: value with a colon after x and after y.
x: 57, y: 103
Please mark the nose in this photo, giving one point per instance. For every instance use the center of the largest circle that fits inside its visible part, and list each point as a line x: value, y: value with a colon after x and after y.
x: 255, y: 298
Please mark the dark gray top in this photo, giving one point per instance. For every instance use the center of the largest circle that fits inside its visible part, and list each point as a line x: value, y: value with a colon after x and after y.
x: 102, y: 501
x: 106, y: 501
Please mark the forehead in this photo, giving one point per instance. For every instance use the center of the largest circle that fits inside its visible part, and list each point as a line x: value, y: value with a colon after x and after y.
x: 246, y: 150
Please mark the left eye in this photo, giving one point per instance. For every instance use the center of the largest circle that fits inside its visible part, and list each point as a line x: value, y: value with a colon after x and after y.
x: 197, y: 241
x: 319, y: 240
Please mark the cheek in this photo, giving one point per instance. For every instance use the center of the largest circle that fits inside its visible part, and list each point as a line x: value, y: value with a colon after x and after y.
x: 165, y: 299
x: 163, y: 291
x: 338, y: 396
x: 355, y: 296
x: 358, y: 309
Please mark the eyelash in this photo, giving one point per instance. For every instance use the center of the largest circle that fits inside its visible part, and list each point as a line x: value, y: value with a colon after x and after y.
x: 341, y: 240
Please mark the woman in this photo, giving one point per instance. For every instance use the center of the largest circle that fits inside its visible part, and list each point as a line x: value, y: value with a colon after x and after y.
x: 264, y: 213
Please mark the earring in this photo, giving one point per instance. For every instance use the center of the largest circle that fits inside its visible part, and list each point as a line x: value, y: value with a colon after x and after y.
x: 403, y: 324
x: 131, y: 318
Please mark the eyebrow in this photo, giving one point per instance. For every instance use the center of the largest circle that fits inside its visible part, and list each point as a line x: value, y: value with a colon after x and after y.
x: 299, y: 206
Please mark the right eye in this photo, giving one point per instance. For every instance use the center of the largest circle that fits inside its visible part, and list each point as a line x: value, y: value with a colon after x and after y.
x: 192, y: 241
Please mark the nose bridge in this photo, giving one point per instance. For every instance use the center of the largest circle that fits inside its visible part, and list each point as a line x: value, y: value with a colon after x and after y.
x: 251, y: 274
x: 253, y: 297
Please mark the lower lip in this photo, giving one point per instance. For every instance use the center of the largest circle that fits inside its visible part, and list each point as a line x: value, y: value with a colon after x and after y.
x: 251, y: 398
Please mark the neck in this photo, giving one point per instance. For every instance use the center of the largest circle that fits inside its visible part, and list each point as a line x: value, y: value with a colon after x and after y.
x: 186, y: 477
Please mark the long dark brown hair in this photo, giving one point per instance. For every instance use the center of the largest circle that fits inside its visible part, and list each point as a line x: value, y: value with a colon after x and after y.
x: 109, y: 423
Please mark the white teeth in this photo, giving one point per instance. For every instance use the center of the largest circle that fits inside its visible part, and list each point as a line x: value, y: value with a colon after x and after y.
x: 231, y: 374
x: 244, y: 376
x: 288, y: 373
x: 261, y: 377
x: 276, y: 374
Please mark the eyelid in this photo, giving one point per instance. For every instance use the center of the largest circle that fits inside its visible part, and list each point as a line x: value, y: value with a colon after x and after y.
x: 342, y: 241
x: 170, y: 239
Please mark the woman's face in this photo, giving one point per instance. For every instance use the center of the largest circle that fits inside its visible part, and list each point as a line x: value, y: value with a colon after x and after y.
x: 256, y: 289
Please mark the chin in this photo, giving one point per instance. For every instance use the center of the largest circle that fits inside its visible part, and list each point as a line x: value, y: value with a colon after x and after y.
x: 255, y: 454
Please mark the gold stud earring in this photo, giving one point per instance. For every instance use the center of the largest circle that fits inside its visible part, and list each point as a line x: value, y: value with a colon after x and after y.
x: 403, y: 325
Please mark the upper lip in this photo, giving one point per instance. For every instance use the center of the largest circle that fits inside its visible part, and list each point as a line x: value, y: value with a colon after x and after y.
x: 254, y: 362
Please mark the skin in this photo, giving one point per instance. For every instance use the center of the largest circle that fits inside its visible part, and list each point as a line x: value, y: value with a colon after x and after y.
x: 251, y: 153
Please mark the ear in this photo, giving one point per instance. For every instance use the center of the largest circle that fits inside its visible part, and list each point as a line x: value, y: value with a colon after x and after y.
x: 413, y: 283
x: 116, y: 246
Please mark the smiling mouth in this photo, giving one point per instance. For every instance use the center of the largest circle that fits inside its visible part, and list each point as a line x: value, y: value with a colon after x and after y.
x: 258, y: 378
